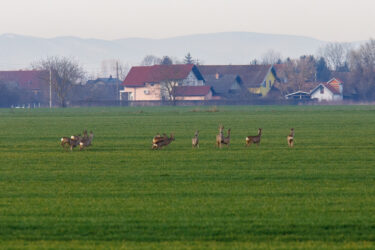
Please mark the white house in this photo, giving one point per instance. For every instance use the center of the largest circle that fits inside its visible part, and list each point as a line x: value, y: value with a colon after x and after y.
x: 330, y: 91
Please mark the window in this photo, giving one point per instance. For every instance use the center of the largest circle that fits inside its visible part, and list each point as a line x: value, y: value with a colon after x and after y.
x: 321, y: 90
x: 147, y: 92
x: 264, y: 84
x: 269, y: 83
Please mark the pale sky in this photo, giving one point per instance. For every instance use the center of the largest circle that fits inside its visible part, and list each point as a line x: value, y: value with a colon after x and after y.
x: 329, y: 20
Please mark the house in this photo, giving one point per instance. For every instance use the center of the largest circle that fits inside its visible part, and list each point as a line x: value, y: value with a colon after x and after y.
x: 256, y: 79
x: 330, y: 91
x: 193, y: 93
x: 33, y: 83
x: 225, y: 86
x: 149, y: 83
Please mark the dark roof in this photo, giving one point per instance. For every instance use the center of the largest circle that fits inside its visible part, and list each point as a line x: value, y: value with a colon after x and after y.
x: 251, y: 75
x: 140, y: 75
x: 192, y: 90
x: 223, y: 84
x: 26, y: 79
x: 109, y: 80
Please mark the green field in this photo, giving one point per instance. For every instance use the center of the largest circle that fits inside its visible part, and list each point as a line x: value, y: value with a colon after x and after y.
x: 121, y: 194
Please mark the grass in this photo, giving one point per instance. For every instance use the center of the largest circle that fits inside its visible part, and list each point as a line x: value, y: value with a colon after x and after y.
x: 121, y: 194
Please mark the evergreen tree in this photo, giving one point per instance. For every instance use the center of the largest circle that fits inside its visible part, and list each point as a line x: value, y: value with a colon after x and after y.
x: 166, y: 61
x: 323, y: 73
x: 188, y: 59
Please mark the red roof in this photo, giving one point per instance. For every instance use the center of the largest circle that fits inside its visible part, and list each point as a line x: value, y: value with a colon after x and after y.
x: 192, y: 90
x: 26, y: 79
x: 332, y: 88
x: 140, y: 75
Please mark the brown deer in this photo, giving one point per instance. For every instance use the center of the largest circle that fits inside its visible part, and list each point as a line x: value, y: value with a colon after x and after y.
x: 159, y: 138
x: 195, y: 140
x: 74, y: 141
x: 290, y: 138
x: 161, y: 143
x: 226, y: 140
x: 220, y: 136
x: 254, y: 139
x: 86, y: 140
x: 65, y: 141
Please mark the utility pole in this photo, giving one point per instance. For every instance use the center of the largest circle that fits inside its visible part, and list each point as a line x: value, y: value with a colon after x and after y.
x: 50, y: 88
x: 117, y: 79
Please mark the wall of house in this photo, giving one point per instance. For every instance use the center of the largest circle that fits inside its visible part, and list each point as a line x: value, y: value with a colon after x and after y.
x: 195, y: 98
x: 326, y: 96
x: 149, y: 92
x: 191, y: 80
x: 270, y: 80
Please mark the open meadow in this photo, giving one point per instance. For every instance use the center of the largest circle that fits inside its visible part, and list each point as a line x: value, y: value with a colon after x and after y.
x: 119, y: 193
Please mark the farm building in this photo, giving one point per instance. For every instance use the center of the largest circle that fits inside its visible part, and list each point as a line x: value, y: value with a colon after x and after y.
x: 225, y: 86
x: 193, y: 93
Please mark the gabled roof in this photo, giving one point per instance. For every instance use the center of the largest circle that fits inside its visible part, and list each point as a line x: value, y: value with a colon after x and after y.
x: 140, y: 75
x: 223, y: 84
x: 251, y: 75
x: 26, y: 79
x: 192, y: 90
x: 332, y: 89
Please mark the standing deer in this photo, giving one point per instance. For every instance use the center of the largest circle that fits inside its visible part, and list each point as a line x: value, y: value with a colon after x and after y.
x: 161, y: 143
x: 86, y: 140
x: 195, y: 140
x: 254, y: 139
x: 226, y: 140
x: 290, y: 138
x: 220, y: 136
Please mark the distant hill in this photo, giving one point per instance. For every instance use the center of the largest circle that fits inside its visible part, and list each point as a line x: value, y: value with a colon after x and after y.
x: 18, y: 51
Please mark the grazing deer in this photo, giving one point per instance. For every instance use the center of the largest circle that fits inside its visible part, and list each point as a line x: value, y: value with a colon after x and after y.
x: 161, y: 143
x: 86, y: 140
x: 226, y: 140
x: 159, y: 138
x: 65, y: 141
x: 254, y: 139
x: 195, y: 140
x: 220, y: 136
x: 290, y: 138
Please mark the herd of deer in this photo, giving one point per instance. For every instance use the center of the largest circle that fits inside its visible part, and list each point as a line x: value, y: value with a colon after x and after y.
x: 75, y: 140
x: 160, y: 141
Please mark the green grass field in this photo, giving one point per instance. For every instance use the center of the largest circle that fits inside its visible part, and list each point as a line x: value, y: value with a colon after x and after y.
x: 121, y: 194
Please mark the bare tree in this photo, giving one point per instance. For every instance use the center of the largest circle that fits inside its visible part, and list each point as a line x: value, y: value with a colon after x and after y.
x: 271, y: 57
x: 362, y: 66
x: 168, y: 90
x: 64, y: 73
x: 335, y: 54
x: 150, y: 60
x: 299, y: 74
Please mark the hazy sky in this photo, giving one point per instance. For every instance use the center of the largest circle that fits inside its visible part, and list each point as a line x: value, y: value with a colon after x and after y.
x: 331, y: 20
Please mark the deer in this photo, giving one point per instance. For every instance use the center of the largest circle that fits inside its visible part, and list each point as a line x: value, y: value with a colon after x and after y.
x: 74, y: 141
x: 86, y: 140
x: 290, y: 138
x: 161, y: 143
x: 226, y: 140
x: 254, y: 139
x: 195, y: 140
x: 220, y: 136
x: 65, y: 141
x: 159, y: 138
